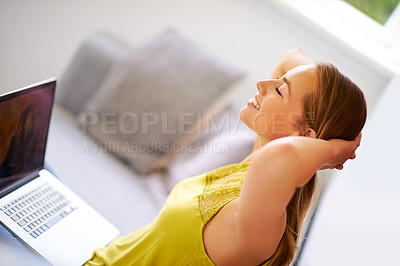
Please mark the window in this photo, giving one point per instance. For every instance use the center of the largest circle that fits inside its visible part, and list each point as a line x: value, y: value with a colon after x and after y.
x: 379, y: 10
x: 378, y: 18
x: 379, y: 43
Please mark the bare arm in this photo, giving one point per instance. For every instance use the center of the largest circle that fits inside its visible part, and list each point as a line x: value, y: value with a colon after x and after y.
x: 275, y: 172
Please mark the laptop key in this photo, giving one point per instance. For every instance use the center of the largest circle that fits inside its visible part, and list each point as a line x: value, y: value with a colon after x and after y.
x: 15, y: 217
x: 22, y: 222
x: 55, y: 220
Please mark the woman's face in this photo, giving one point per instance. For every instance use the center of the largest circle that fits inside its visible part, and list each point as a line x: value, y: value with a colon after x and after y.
x: 276, y: 109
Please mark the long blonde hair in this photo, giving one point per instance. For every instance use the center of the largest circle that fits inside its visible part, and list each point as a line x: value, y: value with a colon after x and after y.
x: 337, y: 109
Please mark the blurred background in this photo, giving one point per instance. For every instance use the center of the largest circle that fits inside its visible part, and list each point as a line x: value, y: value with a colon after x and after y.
x: 38, y: 38
x: 362, y: 38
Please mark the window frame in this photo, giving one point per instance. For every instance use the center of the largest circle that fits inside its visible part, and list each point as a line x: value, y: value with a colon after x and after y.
x: 392, y: 31
x: 351, y: 28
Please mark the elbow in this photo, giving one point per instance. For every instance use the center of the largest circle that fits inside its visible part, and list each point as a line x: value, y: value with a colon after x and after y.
x: 284, y: 159
x: 281, y: 150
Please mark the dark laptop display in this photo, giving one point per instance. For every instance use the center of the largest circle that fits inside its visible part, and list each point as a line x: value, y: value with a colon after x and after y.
x: 24, y: 123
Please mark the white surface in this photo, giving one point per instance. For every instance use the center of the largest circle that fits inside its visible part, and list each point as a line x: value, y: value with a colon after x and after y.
x: 110, y: 187
x: 358, y: 220
x: 18, y: 254
x: 39, y: 37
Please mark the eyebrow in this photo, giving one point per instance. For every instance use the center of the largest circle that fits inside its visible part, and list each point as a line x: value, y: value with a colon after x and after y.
x: 288, y: 84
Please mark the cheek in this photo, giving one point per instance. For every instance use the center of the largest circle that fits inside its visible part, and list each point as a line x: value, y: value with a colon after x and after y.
x: 257, y: 121
x: 262, y: 123
x: 273, y: 120
x: 286, y: 124
x: 278, y: 123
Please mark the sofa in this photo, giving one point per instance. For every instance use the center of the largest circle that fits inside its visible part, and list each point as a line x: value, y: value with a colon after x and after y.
x: 129, y: 123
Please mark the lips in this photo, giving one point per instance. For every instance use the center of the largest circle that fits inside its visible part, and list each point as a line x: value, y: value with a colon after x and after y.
x: 254, y: 102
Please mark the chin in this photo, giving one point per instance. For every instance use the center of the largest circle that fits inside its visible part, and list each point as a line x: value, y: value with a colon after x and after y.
x: 243, y: 114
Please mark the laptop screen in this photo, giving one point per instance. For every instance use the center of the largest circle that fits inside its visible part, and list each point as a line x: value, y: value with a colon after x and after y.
x: 24, y: 123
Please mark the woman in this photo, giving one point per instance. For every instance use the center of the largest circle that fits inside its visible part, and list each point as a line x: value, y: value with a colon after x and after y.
x: 307, y: 117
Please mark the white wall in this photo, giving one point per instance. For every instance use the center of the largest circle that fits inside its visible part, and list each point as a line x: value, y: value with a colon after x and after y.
x: 38, y: 37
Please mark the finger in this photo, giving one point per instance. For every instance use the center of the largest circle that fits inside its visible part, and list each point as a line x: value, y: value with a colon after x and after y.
x: 353, y: 156
x: 339, y: 167
x: 358, y: 139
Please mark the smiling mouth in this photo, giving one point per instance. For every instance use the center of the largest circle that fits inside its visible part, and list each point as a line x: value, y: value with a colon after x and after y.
x: 255, y: 103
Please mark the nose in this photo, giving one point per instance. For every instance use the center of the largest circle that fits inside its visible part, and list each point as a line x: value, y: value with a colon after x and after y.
x: 264, y: 85
x: 261, y: 87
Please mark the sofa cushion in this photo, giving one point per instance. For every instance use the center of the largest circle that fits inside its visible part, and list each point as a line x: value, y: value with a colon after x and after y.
x: 87, y: 69
x: 151, y: 101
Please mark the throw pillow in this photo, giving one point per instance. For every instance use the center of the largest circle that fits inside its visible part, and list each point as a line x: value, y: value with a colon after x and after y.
x: 155, y: 98
x: 87, y: 69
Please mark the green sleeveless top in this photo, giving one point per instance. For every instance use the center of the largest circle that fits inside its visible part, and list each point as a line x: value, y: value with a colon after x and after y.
x: 175, y: 237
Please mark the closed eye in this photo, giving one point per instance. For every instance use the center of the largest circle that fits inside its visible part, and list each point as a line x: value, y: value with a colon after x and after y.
x: 277, y: 91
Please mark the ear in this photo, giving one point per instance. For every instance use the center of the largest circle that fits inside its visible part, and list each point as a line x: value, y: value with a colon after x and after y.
x: 310, y: 133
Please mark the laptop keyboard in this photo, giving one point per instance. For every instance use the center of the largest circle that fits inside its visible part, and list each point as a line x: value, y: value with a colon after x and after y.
x: 38, y: 210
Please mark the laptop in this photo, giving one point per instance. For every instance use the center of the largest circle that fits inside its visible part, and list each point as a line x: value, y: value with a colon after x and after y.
x: 35, y: 206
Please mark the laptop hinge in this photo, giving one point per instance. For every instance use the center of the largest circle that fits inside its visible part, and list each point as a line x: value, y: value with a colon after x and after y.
x: 19, y: 183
